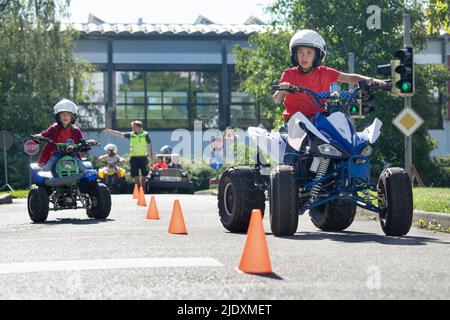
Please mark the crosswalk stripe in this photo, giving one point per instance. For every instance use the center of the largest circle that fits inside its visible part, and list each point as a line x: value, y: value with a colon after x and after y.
x: 102, y: 264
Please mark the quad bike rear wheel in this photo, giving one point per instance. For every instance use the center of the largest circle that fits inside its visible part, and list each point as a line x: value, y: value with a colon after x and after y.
x: 238, y: 197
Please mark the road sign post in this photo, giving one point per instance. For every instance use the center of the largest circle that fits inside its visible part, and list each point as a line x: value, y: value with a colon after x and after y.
x: 6, y: 141
x: 408, y: 104
x: 30, y: 148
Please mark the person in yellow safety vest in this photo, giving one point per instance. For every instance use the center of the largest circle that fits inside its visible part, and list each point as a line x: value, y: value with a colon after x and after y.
x: 140, y: 149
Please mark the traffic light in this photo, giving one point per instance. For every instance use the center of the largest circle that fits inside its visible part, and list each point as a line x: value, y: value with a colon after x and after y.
x: 389, y: 70
x: 355, y: 110
x: 405, y: 69
x: 367, y: 108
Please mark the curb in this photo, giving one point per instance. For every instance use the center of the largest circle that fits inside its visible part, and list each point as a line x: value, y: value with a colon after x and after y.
x: 440, y: 218
x: 206, y: 193
x: 5, y: 199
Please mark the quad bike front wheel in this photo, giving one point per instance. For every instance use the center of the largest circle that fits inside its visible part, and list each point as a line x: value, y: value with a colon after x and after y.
x: 284, y: 202
x: 38, y: 204
x: 396, y: 200
x: 100, y: 201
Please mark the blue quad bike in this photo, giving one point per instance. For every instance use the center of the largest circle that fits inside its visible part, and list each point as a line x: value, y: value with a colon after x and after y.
x: 66, y: 187
x: 325, y: 169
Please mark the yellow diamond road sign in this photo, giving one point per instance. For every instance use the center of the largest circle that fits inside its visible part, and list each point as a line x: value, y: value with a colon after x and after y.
x: 408, y: 121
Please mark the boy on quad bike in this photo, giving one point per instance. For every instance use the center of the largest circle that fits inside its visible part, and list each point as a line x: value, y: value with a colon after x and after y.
x: 61, y: 178
x: 112, y: 175
x: 65, y: 112
x: 111, y: 158
x: 308, y: 50
x: 324, y: 164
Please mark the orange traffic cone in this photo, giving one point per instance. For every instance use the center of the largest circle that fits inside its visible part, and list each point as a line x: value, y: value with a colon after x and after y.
x: 136, y: 192
x: 152, y: 212
x: 177, y: 225
x: 141, y: 201
x: 255, y: 258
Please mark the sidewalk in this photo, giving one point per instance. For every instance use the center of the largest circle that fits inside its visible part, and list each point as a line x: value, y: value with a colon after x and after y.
x: 5, y: 199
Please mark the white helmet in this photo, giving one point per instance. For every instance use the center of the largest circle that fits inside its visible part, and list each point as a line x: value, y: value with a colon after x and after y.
x: 308, y: 38
x: 112, y: 147
x: 65, y: 106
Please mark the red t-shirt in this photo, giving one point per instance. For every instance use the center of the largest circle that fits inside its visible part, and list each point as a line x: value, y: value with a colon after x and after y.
x: 60, y: 135
x: 318, y: 80
x: 158, y: 165
x: 64, y: 135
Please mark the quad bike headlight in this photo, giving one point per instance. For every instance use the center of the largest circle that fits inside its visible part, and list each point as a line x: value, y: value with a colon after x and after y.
x: 101, y: 174
x: 329, y: 150
x: 367, y: 151
x: 122, y: 173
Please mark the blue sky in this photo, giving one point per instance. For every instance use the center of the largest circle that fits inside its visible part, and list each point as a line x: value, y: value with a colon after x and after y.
x: 169, y: 11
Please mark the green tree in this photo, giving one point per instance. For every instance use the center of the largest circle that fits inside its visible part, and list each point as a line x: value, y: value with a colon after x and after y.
x: 37, y: 69
x: 438, y: 15
x: 343, y: 24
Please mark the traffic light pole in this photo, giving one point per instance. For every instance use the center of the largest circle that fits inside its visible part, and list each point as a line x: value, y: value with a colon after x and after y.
x: 408, y: 104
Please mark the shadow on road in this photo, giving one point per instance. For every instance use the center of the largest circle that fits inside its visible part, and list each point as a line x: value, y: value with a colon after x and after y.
x: 75, y: 221
x: 362, y: 237
x: 272, y: 276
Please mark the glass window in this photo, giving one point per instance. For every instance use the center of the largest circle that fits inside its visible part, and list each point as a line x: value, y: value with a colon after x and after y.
x: 127, y: 113
x: 91, y: 116
x: 95, y: 88
x: 130, y: 88
x: 243, y: 109
x: 168, y: 99
x: 91, y: 112
x: 206, y: 98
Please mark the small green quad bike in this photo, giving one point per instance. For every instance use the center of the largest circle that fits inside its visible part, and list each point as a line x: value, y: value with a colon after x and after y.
x: 66, y: 187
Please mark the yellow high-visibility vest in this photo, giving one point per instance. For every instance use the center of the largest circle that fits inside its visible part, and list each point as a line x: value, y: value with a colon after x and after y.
x: 138, y: 144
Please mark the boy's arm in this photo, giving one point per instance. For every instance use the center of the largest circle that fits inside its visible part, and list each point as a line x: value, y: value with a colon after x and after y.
x: 355, y: 78
x: 115, y: 133
x: 279, y: 96
x: 48, y: 133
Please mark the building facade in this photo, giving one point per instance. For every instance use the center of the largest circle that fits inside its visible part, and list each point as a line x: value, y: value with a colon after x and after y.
x: 170, y: 76
x: 167, y: 76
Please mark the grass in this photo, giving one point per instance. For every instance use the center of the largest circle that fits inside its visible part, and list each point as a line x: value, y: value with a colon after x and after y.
x: 432, y: 199
x: 18, y: 194
x: 429, y: 199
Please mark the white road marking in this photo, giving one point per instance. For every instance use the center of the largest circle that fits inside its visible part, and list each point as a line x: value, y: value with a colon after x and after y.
x: 77, y: 265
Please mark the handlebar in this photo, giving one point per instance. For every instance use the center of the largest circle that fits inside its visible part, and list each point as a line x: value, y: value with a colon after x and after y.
x: 64, y: 146
x: 364, y: 90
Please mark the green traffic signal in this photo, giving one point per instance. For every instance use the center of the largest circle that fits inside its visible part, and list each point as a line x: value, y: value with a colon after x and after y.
x: 406, y: 86
x: 354, y: 110
x: 406, y: 71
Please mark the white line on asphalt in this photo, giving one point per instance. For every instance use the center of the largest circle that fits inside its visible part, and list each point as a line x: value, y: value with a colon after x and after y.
x: 77, y: 265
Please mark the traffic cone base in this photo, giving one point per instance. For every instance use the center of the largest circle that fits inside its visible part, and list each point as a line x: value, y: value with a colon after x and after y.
x: 152, y: 212
x: 141, y: 201
x: 136, y: 192
x: 177, y: 225
x: 255, y: 258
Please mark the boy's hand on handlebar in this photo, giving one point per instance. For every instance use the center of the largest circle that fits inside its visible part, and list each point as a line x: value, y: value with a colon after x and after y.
x: 285, y: 86
x: 37, y: 138
x: 378, y: 82
x: 92, y: 142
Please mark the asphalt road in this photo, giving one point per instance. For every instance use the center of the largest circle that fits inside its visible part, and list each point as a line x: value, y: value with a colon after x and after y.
x: 128, y: 257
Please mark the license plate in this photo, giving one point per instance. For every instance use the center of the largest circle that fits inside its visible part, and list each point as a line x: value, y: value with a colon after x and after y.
x: 170, y: 179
